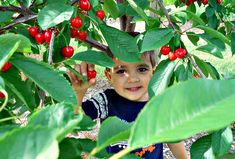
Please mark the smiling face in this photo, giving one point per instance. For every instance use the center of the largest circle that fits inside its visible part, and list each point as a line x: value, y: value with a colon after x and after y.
x: 130, y: 80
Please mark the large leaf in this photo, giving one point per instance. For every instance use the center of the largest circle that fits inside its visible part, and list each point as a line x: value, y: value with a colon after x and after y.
x: 172, y: 115
x: 11, y: 38
x: 214, y: 33
x: 122, y: 45
x: 209, y: 48
x: 59, y: 117
x: 118, y: 130
x: 53, y: 14
x: 9, y: 43
x: 29, y: 142
x: 20, y: 88
x: 98, y: 58
x: 155, y: 38
x: 222, y: 141
x: 202, y: 149
x: 5, y: 16
x: 46, y: 78
x: 111, y: 7
x: 139, y: 10
x: 161, y: 78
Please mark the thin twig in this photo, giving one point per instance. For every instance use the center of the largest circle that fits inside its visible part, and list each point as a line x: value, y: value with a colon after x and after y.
x: 12, y: 8
x: 166, y: 13
x: 20, y: 20
x: 51, y: 45
x: 196, y: 66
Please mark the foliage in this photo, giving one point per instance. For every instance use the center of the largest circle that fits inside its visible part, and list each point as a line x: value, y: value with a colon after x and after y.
x: 181, y: 105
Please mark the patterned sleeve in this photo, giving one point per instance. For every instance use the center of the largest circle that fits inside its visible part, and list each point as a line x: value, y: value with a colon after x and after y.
x: 97, y: 106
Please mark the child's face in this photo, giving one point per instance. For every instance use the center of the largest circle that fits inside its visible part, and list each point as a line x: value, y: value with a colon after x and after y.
x: 130, y: 80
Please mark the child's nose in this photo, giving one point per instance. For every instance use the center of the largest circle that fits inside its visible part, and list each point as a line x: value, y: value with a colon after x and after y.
x: 133, y: 77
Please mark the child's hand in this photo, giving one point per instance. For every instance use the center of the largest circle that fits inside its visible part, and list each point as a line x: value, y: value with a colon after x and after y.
x: 79, y: 84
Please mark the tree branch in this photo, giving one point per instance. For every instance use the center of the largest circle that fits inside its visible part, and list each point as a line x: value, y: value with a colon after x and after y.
x: 20, y: 20
x: 99, y: 46
x: 166, y: 13
x: 12, y: 9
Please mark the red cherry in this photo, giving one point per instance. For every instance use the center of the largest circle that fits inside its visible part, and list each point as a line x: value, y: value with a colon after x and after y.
x: 171, y: 56
x: 67, y: 51
x: 100, y: 14
x: 6, y: 67
x: 73, y: 33
x: 196, y: 75
x: 205, y: 2
x: 85, y: 5
x: 91, y: 74
x: 39, y: 38
x: 33, y: 30
x: 165, y: 50
x: 180, y: 52
x: 76, y: 22
x: 2, y: 95
x: 81, y: 35
x: 47, y: 36
x: 219, y: 1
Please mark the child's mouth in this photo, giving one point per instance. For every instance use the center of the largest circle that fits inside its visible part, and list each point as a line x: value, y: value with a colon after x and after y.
x: 133, y: 89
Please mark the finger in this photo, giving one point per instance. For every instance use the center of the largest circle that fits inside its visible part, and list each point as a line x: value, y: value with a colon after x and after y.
x: 72, y: 77
x: 91, y: 67
x: 84, y: 67
x: 92, y: 82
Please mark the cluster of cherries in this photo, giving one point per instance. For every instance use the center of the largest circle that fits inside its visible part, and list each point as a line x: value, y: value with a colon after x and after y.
x: 205, y: 2
x: 178, y: 53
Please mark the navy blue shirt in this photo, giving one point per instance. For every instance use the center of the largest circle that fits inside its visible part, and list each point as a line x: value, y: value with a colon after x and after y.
x: 109, y: 103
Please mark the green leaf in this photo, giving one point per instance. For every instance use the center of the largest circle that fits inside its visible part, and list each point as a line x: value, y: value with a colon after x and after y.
x: 29, y: 142
x: 46, y: 78
x: 193, y: 37
x: 98, y: 58
x: 69, y: 149
x: 233, y: 43
x: 161, y: 77
x: 222, y: 141
x: 6, y: 128
x: 7, y: 52
x: 201, y: 149
x: 214, y: 33
x: 155, y: 38
x: 172, y: 115
x: 122, y: 45
x: 5, y: 16
x: 118, y: 130
x: 196, y: 19
x: 216, y: 43
x: 228, y: 156
x: 201, y: 64
x: 209, y: 48
x: 59, y: 117
x: 20, y: 88
x: 53, y: 14
x: 10, y: 39
x: 139, y: 10
x: 86, y: 124
x: 111, y: 7
x: 181, y: 73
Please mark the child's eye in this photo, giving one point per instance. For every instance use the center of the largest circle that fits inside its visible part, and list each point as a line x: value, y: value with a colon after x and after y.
x: 142, y: 69
x: 120, y: 71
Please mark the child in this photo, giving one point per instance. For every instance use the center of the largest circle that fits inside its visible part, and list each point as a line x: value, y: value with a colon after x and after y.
x: 130, y: 94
